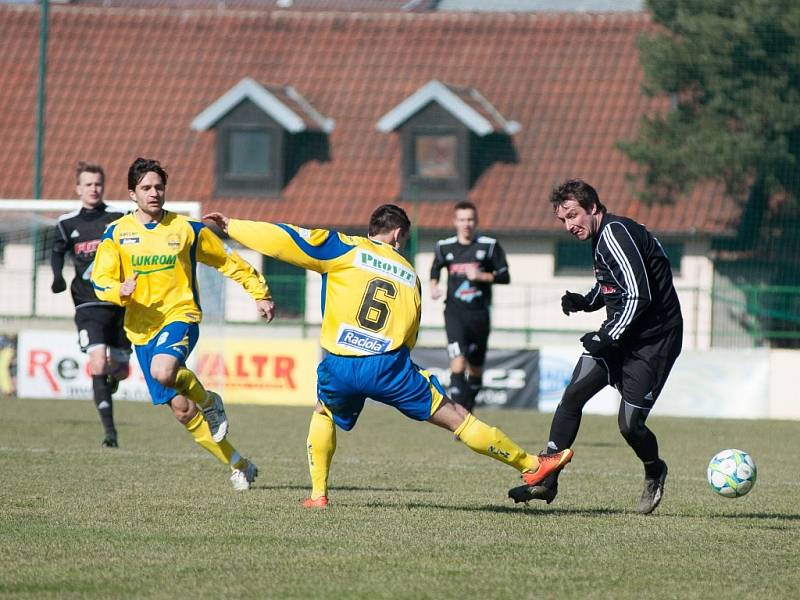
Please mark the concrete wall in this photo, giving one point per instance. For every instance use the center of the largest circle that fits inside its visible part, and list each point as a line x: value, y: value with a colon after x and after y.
x: 783, y: 397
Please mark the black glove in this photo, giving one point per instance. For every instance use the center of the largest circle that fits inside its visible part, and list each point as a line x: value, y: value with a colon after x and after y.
x: 58, y: 285
x: 572, y: 302
x: 596, y: 341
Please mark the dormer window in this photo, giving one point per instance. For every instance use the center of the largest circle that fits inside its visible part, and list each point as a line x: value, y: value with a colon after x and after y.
x: 443, y: 130
x: 435, y: 155
x: 250, y: 153
x: 435, y: 147
x: 264, y: 135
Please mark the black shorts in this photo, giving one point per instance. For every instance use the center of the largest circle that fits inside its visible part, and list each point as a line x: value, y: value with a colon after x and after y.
x: 101, y: 325
x: 467, y: 334
x: 639, y: 368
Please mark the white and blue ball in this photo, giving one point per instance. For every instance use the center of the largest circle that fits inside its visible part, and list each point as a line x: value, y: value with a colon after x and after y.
x: 732, y: 473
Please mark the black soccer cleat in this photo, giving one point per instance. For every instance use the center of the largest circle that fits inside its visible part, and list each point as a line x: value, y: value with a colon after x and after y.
x: 653, y: 492
x: 109, y: 442
x: 525, y: 493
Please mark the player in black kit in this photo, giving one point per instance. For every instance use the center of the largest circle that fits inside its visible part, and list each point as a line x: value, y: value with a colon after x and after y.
x: 100, y: 331
x: 635, y: 347
x: 474, y: 262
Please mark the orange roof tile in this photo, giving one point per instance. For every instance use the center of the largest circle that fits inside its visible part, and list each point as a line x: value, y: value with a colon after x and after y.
x: 127, y: 83
x: 262, y: 5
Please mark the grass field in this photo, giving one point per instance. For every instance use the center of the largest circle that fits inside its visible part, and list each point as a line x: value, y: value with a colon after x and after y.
x: 414, y: 514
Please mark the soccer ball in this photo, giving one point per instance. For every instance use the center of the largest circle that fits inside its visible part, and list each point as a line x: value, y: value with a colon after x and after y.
x: 731, y: 473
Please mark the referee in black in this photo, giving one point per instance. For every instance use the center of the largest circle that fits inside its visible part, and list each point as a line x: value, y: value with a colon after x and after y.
x: 100, y: 330
x: 474, y: 263
x: 635, y: 347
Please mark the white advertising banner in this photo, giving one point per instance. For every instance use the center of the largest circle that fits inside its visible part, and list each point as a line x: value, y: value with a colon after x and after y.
x: 716, y: 384
x: 556, y: 364
x: 719, y: 384
x: 51, y: 365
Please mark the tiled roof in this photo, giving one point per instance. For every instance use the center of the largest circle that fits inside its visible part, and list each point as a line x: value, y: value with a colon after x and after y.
x: 128, y: 83
x: 541, y: 5
x: 304, y: 5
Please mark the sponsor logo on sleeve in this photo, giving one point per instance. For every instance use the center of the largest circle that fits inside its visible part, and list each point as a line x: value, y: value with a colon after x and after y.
x: 361, y: 341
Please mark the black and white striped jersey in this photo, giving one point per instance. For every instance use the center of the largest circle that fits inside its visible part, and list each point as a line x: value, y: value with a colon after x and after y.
x: 634, y: 280
x: 483, y: 253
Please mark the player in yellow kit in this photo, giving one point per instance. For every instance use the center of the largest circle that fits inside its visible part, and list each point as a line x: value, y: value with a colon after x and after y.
x: 371, y: 312
x: 146, y: 262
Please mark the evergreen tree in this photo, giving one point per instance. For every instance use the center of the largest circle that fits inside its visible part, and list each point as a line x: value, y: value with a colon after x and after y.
x: 729, y: 71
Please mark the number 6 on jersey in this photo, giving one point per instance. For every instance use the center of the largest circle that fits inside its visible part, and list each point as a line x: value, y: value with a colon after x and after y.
x: 373, y: 312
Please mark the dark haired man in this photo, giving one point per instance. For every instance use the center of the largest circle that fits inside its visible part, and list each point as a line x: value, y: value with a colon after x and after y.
x: 474, y: 263
x: 371, y: 317
x: 635, y: 347
x: 146, y: 262
x: 100, y: 332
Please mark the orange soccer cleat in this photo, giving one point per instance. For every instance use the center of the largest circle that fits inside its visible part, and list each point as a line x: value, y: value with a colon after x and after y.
x: 548, y: 464
x: 321, y: 502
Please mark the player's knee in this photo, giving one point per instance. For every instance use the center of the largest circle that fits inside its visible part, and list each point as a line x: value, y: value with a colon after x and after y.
x: 458, y: 365
x: 164, y: 375
x: 573, y: 399
x: 97, y: 365
x: 632, y: 430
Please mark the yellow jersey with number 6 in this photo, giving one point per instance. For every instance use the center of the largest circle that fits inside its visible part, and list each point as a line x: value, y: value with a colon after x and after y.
x: 371, y: 300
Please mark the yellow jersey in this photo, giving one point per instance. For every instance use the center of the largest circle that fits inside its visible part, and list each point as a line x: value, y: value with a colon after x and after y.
x: 371, y: 300
x: 164, y: 255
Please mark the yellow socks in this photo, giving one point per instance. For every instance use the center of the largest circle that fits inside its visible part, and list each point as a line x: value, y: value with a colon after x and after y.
x: 222, y: 451
x: 492, y: 442
x: 321, y: 445
x: 187, y: 384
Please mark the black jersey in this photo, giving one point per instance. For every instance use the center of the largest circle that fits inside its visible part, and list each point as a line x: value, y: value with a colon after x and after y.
x: 634, y: 280
x: 78, y: 233
x: 483, y: 252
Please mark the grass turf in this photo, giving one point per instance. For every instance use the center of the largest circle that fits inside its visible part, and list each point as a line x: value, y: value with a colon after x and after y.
x: 413, y: 513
